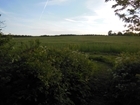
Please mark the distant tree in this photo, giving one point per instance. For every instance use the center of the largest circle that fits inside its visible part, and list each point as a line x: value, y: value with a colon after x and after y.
x: 110, y: 32
x: 120, y: 33
x: 130, y: 34
x: 114, y: 34
x: 128, y: 11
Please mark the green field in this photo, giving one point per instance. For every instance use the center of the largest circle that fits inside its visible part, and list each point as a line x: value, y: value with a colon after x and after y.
x: 101, y: 49
x: 90, y: 44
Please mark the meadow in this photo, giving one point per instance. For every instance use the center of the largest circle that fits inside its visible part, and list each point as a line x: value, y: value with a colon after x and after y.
x: 89, y: 44
x: 103, y: 50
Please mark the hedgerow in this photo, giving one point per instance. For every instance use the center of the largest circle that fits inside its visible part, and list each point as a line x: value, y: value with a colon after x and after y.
x: 39, y: 75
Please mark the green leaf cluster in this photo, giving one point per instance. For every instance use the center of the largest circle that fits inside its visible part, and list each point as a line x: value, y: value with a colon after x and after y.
x: 126, y: 79
x: 35, y: 74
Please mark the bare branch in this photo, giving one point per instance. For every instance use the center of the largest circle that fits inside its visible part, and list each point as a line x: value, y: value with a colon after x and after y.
x: 2, y: 25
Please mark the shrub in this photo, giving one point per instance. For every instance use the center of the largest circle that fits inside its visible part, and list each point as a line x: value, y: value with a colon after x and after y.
x: 126, y: 80
x: 119, y: 86
x: 38, y: 75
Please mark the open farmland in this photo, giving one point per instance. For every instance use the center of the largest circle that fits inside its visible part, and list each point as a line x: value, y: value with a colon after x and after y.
x: 89, y: 44
x: 101, y: 49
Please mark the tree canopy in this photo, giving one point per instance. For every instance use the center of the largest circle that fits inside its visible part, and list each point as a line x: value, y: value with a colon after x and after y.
x: 128, y: 11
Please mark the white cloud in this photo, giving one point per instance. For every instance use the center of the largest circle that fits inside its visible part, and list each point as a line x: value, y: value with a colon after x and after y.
x: 84, y: 18
x: 94, y: 5
x: 70, y: 20
x: 104, y: 12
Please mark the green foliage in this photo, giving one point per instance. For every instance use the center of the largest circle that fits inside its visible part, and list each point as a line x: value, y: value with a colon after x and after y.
x: 126, y: 78
x: 4, y: 39
x: 39, y: 75
x: 119, y: 86
x: 5, y: 49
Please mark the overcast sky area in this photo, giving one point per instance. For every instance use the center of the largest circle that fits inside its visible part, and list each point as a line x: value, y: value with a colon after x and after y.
x: 53, y: 17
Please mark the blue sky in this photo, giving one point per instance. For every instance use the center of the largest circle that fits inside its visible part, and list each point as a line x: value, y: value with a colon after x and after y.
x: 51, y: 17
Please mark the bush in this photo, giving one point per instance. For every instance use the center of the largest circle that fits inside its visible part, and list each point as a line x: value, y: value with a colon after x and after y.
x: 119, y: 86
x: 38, y: 75
x: 126, y: 80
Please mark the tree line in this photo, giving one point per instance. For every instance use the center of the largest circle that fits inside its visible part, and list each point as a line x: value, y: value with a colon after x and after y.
x: 127, y: 33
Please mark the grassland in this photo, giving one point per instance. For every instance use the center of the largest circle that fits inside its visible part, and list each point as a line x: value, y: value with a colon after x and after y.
x: 101, y: 49
x: 90, y: 44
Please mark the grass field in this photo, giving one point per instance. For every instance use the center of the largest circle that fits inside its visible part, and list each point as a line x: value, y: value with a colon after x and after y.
x: 90, y: 44
x: 101, y: 49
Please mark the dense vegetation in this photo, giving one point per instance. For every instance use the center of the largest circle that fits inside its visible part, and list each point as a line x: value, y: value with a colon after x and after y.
x: 70, y: 70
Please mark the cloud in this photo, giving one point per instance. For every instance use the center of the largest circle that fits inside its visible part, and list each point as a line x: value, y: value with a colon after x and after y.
x: 94, y: 5
x: 70, y: 20
x: 104, y: 14
x: 101, y: 13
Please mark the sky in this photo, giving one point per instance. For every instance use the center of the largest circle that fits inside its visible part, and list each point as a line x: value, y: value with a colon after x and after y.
x: 54, y: 17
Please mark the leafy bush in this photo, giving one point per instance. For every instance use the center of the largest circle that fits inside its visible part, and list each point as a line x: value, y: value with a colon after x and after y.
x: 38, y: 75
x: 119, y: 86
x: 126, y: 80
